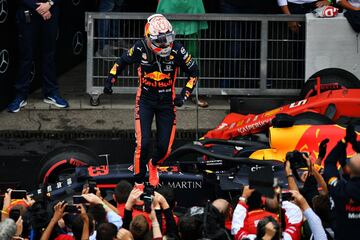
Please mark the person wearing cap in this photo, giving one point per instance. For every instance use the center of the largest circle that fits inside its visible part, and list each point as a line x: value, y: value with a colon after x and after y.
x: 159, y: 57
x: 345, y: 191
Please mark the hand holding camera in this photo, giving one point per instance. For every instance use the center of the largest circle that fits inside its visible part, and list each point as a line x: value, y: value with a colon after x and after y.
x: 83, y: 214
x: 147, y: 196
x: 90, y: 187
x: 59, y: 210
x: 286, y: 196
x: 247, y: 192
x: 19, y: 226
x: 72, y: 209
x: 18, y: 194
x: 288, y: 170
x: 133, y: 197
x: 297, y: 159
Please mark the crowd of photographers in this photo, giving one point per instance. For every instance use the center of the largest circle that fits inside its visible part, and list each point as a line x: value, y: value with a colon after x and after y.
x: 321, y: 201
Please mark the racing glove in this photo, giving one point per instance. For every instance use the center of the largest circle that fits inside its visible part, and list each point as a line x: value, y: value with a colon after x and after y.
x: 111, y: 79
x: 108, y: 85
x: 179, y: 100
x: 351, y: 137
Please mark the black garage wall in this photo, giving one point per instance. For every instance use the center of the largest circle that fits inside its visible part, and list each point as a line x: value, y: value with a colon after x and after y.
x: 71, y: 43
x: 7, y: 47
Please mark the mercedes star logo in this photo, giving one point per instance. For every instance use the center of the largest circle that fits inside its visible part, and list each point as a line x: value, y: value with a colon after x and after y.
x: 78, y: 43
x: 3, y: 10
x: 76, y: 2
x: 4, y: 61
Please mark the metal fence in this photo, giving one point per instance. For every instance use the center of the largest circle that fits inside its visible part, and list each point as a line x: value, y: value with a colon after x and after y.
x: 237, y: 54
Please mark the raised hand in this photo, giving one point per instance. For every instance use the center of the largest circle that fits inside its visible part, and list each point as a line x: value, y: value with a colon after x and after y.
x: 322, y: 148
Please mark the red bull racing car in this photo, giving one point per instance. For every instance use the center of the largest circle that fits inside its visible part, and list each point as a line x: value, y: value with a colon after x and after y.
x: 220, y: 162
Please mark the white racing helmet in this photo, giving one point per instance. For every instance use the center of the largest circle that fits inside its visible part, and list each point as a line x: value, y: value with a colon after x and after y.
x: 159, y: 35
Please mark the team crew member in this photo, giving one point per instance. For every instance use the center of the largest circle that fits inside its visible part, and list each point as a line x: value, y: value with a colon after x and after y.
x: 345, y: 192
x: 37, y: 25
x: 159, y: 57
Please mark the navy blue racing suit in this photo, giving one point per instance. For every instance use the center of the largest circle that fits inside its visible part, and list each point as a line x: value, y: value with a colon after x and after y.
x: 345, y: 194
x: 155, y: 97
x: 33, y: 30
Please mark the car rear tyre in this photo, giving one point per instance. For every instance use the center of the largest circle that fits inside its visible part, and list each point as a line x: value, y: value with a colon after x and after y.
x: 342, y: 80
x: 61, y: 162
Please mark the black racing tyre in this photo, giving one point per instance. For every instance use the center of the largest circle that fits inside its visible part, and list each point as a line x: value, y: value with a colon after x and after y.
x: 62, y: 161
x: 342, y: 80
x: 312, y: 118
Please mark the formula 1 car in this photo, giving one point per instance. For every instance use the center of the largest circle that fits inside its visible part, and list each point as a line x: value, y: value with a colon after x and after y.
x: 217, y: 171
x: 221, y: 165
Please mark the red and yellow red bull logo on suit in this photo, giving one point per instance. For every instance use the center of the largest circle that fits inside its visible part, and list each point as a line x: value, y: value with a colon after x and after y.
x: 157, y: 76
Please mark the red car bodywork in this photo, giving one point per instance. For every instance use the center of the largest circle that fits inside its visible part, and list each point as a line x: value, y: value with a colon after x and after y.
x: 346, y: 101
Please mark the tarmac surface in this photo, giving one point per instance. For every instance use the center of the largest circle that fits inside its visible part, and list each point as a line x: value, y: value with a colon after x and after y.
x: 115, y: 112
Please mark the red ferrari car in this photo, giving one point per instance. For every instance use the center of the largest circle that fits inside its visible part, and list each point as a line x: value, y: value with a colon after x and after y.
x: 333, y: 104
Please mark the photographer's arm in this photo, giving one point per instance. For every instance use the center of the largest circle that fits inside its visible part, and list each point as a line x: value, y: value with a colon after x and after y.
x: 290, y: 177
x: 169, y: 217
x: 313, y: 171
x: 58, y: 214
x: 154, y: 222
x: 109, y: 205
x: 240, y: 213
x: 127, y: 219
x: 86, y: 229
x: 314, y: 221
x: 111, y: 215
x: 338, y: 152
x: 134, y: 195
x: 321, y: 182
x: 6, y: 204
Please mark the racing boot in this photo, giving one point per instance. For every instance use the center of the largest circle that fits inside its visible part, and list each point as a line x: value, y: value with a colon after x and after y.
x: 153, y: 174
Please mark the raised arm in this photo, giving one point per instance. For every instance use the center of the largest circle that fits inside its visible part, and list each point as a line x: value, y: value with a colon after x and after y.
x: 290, y: 177
x: 58, y: 214
x: 345, y: 4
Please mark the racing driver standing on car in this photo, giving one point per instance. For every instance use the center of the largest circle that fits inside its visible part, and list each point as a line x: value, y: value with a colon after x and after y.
x: 159, y: 58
